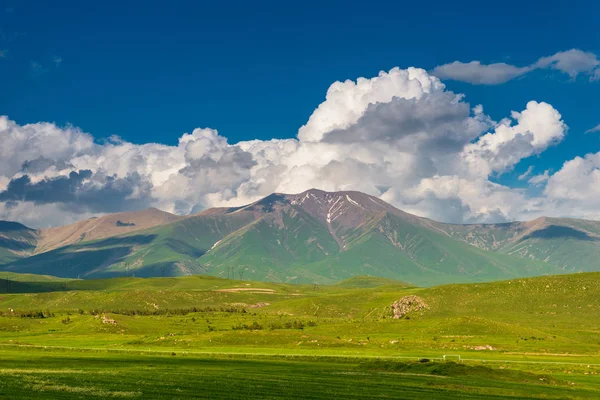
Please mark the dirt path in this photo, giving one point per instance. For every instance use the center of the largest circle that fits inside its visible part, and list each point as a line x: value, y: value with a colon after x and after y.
x: 249, y: 290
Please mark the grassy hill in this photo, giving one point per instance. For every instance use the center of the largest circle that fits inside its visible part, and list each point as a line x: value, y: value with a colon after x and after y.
x: 531, y: 337
x: 544, y: 315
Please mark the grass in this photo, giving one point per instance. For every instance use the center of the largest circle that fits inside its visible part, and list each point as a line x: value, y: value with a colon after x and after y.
x: 243, y: 338
x: 64, y: 375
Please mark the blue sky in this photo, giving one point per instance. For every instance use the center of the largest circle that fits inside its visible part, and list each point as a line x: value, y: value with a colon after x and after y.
x: 150, y: 71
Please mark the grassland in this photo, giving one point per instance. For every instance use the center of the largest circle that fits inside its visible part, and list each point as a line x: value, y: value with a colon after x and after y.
x: 211, y: 337
x: 58, y: 375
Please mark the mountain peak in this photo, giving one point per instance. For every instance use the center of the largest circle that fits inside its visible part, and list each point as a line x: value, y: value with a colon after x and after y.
x: 103, y: 227
x: 335, y: 205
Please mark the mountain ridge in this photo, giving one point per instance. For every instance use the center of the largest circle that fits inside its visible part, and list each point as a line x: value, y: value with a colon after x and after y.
x: 313, y: 236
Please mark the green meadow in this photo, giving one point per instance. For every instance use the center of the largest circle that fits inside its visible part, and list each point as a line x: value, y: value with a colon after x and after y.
x: 200, y: 336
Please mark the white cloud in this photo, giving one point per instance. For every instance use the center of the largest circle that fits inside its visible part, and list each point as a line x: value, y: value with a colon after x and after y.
x: 571, y: 62
x: 594, y: 129
x: 400, y: 135
x: 526, y: 174
x: 36, y: 69
x: 539, y: 180
x: 346, y: 101
x: 578, y: 179
x: 574, y: 190
x: 480, y: 74
x: 538, y: 127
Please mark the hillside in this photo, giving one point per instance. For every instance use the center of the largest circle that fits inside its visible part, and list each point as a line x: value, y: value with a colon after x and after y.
x: 547, y: 316
x: 16, y: 241
x: 101, y: 228
x: 314, y: 236
x: 573, y: 245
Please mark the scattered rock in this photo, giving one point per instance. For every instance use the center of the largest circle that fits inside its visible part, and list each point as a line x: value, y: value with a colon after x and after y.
x: 259, y: 305
x: 402, y: 307
x: 107, y: 320
x: 486, y: 347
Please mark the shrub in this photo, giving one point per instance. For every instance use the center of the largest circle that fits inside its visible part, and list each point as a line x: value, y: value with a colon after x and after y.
x: 255, y: 326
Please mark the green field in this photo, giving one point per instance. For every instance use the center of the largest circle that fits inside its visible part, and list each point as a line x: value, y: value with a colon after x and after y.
x: 209, y: 337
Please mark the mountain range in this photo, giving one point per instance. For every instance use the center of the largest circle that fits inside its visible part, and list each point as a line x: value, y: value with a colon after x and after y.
x: 311, y: 237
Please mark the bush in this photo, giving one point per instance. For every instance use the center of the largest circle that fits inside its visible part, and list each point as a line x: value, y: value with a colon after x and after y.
x: 171, y: 312
x: 36, y: 314
x: 255, y: 326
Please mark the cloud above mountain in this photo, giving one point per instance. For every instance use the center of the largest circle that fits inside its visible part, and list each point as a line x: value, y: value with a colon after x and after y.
x: 400, y: 135
x: 572, y: 62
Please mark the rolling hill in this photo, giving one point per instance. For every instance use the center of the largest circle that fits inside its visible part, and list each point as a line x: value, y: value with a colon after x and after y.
x: 314, y: 236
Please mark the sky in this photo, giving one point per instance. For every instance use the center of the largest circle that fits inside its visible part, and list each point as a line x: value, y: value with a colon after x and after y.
x: 458, y: 111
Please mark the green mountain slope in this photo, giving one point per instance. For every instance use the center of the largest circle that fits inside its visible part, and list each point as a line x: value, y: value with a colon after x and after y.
x: 400, y: 249
x: 320, y: 237
x: 275, y: 247
x: 16, y: 241
x: 571, y: 244
x: 167, y: 250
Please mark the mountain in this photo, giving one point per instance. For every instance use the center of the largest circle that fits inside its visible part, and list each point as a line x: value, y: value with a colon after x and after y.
x: 101, y: 227
x: 16, y: 241
x: 314, y: 236
x: 326, y: 237
x: 573, y: 245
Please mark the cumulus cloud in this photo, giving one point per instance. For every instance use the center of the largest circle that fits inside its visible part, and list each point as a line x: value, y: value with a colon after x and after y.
x: 400, y: 135
x: 572, y: 62
x: 83, y: 190
x: 537, y: 127
x: 574, y: 190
